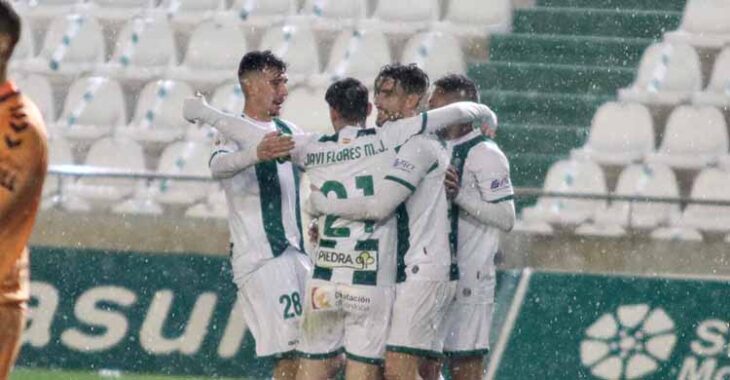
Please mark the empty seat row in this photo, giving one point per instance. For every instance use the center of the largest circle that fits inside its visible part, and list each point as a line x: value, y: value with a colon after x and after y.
x: 463, y: 17
x: 705, y: 24
x: 622, y: 133
x: 639, y: 180
x: 670, y: 74
x: 124, y: 154
x: 145, y: 50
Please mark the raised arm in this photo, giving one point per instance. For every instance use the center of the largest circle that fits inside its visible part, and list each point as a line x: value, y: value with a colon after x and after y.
x: 435, y: 120
x: 239, y: 130
x: 500, y: 214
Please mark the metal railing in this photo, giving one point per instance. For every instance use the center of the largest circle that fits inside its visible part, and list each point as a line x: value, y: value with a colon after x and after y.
x: 81, y: 171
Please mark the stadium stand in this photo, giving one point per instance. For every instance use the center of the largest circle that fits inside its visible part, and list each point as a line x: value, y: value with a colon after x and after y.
x: 94, y: 107
x: 40, y: 90
x: 717, y: 90
x: 297, y: 45
x: 705, y: 24
x: 436, y: 52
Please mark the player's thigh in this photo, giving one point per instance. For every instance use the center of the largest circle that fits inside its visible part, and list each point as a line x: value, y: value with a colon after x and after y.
x: 368, y: 310
x: 12, y: 320
x: 356, y: 370
x: 273, y: 304
x: 323, y: 322
x: 418, y: 315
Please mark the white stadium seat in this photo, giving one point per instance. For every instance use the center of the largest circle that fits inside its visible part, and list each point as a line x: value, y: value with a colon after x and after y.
x: 74, y: 45
x: 263, y: 13
x: 621, y: 133
x: 356, y: 53
x: 114, y: 153
x: 145, y: 50
x: 583, y: 177
x: 185, y: 14
x: 94, y: 107
x: 404, y: 16
x: 717, y: 92
x: 42, y: 11
x: 296, y: 45
x: 40, y: 91
x: 477, y: 18
x: 695, y: 137
x: 183, y: 158
x: 705, y: 23
x: 334, y: 15
x: 213, y: 54
x: 668, y: 74
x: 436, y: 53
x: 158, y: 115
x: 214, y: 206
x: 308, y: 110
x: 111, y: 11
x: 650, y: 180
x: 710, y: 184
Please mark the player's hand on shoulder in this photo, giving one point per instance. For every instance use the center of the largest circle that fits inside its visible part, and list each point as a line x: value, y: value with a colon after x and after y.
x: 273, y: 146
x: 194, y: 107
x: 488, y: 123
x: 451, y: 182
x: 315, y: 202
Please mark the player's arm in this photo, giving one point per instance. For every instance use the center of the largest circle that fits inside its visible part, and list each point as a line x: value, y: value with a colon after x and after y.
x: 239, y: 130
x: 438, y: 119
x: 491, y: 201
x: 20, y: 184
x: 408, y: 169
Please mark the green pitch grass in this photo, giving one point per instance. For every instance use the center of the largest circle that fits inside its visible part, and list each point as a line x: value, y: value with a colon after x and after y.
x: 38, y: 374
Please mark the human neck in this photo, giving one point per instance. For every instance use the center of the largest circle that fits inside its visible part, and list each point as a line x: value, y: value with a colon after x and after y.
x: 341, y: 124
x: 256, y: 113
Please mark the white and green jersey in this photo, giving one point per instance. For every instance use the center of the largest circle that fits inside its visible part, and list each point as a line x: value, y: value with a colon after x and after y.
x: 332, y: 164
x: 422, y: 220
x: 483, y: 168
x: 263, y: 205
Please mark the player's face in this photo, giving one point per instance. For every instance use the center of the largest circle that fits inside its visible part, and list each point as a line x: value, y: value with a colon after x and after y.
x: 268, y: 89
x: 439, y: 98
x: 390, y: 100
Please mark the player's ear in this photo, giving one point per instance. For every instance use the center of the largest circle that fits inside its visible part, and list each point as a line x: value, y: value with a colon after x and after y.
x: 413, y: 100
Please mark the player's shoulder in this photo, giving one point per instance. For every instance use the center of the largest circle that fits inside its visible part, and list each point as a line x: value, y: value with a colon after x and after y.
x: 487, y: 152
x: 26, y: 121
x: 288, y: 124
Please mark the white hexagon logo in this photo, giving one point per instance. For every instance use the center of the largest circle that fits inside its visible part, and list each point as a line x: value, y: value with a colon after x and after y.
x: 628, y: 344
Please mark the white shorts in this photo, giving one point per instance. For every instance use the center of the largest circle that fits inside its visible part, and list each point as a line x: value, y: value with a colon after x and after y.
x: 349, y: 318
x: 468, y: 322
x: 272, y: 297
x: 419, y: 311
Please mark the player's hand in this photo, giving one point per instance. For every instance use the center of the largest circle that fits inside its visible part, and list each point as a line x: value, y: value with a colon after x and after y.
x: 194, y: 108
x: 274, y: 145
x: 315, y: 202
x: 313, y: 231
x: 451, y: 182
x: 488, y: 125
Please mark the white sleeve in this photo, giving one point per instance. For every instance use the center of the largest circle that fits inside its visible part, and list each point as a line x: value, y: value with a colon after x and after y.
x: 226, y: 159
x: 491, y: 199
x: 399, y: 131
x: 237, y: 129
x: 388, y: 196
x: 500, y: 215
x: 304, y: 143
x: 412, y: 163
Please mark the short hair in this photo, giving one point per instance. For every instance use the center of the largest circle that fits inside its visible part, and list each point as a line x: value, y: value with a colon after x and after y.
x: 459, y: 85
x: 258, y: 61
x: 349, y: 97
x: 412, y: 79
x: 9, y: 24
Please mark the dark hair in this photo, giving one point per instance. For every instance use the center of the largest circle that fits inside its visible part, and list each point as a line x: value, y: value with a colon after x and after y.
x: 459, y: 85
x: 9, y: 24
x: 258, y: 61
x: 411, y: 77
x: 349, y: 97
